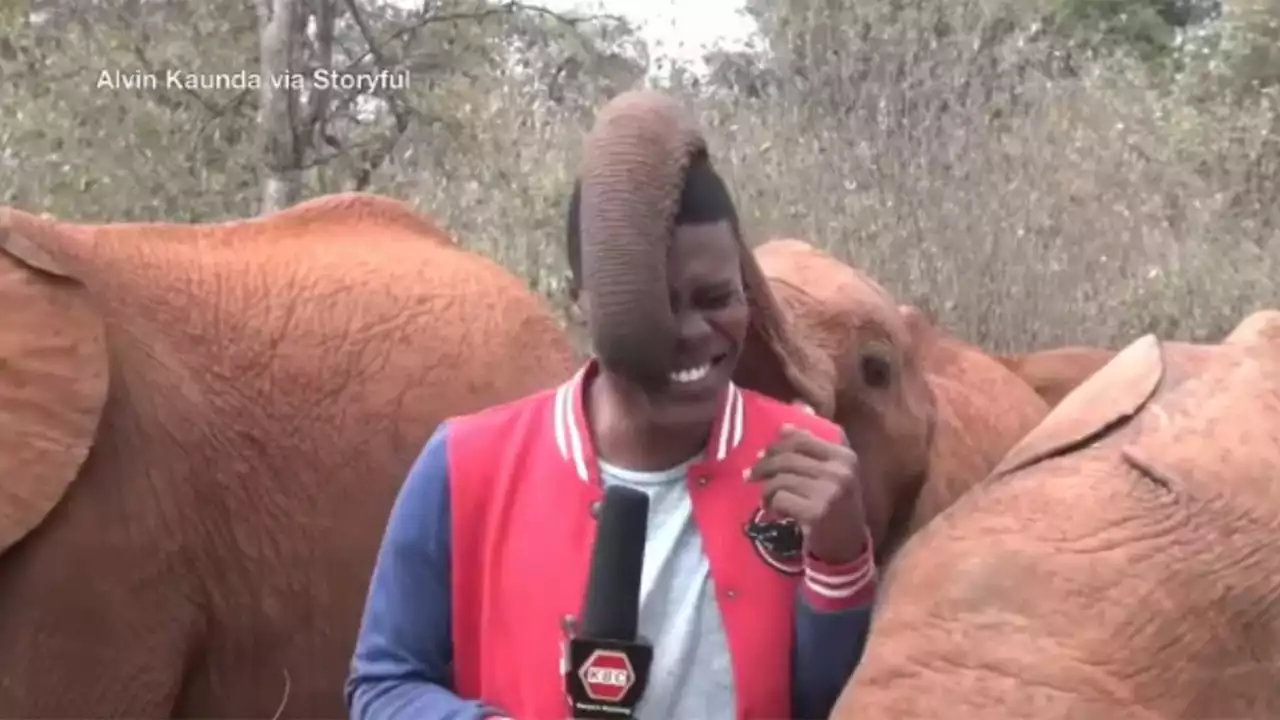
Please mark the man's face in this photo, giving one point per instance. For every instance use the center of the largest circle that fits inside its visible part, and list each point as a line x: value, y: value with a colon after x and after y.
x: 711, y: 320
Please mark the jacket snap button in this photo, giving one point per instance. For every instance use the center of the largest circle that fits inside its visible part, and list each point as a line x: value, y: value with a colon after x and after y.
x: 595, y: 509
x: 730, y: 594
x: 702, y: 480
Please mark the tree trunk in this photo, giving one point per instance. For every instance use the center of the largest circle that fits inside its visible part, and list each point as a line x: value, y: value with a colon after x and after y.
x: 281, y: 161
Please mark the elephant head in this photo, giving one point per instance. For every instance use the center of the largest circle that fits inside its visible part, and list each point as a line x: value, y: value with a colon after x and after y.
x: 867, y: 374
x: 1054, y: 373
x: 1120, y: 562
x: 928, y: 414
x: 984, y: 409
x: 202, y: 429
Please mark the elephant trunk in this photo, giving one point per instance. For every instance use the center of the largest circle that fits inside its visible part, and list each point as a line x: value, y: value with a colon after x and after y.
x: 631, y: 179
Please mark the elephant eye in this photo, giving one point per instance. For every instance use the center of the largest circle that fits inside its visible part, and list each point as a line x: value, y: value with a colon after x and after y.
x: 877, y: 370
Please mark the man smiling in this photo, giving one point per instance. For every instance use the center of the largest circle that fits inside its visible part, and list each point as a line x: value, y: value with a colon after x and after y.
x: 488, y: 544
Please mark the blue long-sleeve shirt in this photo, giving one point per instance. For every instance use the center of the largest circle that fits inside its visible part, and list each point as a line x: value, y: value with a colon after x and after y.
x: 403, y: 655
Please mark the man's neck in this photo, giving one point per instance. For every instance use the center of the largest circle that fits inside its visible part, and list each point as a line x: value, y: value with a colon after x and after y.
x: 624, y: 436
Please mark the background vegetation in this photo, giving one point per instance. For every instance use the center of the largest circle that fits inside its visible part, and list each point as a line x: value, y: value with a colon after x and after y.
x: 1033, y: 172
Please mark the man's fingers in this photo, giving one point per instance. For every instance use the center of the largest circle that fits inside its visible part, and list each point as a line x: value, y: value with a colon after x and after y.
x: 819, y: 494
x: 793, y: 484
x: 789, y: 504
x: 771, y: 466
x: 792, y: 439
x: 786, y: 442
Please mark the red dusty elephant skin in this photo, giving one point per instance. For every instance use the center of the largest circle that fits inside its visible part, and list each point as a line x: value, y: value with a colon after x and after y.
x: 1261, y: 326
x: 990, y: 407
x: 916, y: 405
x: 1055, y: 372
x: 1120, y: 562
x: 202, y: 430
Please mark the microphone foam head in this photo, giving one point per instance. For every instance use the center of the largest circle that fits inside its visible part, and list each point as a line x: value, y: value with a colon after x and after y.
x: 612, y: 606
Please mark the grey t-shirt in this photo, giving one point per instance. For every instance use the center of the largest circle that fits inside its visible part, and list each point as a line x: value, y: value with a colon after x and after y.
x: 692, y: 676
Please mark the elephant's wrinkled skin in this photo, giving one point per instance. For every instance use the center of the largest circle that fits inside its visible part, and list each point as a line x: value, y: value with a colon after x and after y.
x: 918, y: 410
x: 987, y: 408
x: 1119, y: 563
x: 1055, y: 372
x: 202, y: 429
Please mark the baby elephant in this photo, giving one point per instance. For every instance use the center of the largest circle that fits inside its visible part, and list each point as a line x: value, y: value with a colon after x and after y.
x: 1119, y: 563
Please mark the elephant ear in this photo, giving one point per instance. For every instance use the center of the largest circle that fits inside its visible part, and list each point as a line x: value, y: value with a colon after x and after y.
x: 919, y: 325
x: 937, y: 353
x: 53, y: 373
x: 775, y: 360
x: 1261, y: 327
x: 1112, y: 395
x: 1220, y: 436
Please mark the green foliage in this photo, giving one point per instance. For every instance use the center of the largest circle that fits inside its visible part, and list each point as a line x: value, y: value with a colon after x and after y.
x: 89, y: 149
x: 83, y: 147
x: 1149, y: 28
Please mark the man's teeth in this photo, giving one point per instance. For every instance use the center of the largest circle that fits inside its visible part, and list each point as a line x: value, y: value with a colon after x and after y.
x: 691, y: 374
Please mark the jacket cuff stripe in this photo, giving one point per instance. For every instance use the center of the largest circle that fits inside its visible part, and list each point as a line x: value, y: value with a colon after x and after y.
x: 845, y: 586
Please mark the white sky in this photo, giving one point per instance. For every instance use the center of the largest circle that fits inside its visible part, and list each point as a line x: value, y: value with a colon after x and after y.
x: 682, y: 29
x: 675, y: 27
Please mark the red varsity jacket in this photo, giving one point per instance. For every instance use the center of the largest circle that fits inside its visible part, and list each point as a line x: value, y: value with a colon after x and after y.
x: 523, y: 482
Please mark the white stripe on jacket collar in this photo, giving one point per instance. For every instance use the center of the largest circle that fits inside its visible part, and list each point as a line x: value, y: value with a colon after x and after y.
x: 569, y: 437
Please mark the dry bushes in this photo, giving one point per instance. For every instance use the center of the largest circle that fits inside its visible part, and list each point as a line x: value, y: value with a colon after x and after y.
x: 1021, y: 204
x: 1022, y: 209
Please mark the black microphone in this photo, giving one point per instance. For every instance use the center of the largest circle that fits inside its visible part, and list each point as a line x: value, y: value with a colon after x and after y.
x: 608, y: 665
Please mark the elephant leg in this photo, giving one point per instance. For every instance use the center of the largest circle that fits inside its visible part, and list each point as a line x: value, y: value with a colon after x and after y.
x: 76, y: 644
x: 99, y: 615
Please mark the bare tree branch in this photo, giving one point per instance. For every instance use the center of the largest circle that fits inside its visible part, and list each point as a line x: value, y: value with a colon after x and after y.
x: 282, y: 178
x: 319, y: 100
x: 214, y: 109
x: 399, y: 109
x: 508, y: 8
